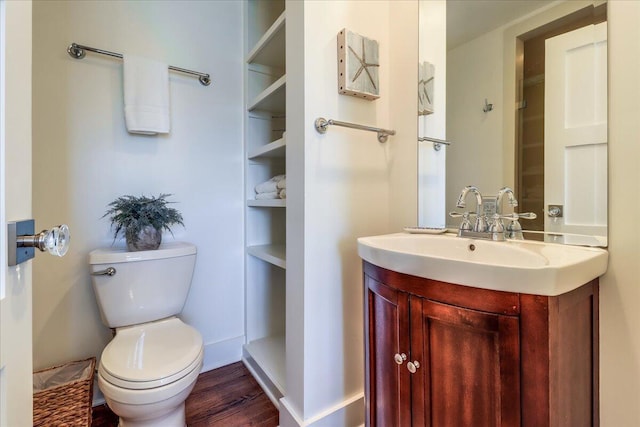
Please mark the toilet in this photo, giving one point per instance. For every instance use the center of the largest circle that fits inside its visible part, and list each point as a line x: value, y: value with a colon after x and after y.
x: 152, y: 363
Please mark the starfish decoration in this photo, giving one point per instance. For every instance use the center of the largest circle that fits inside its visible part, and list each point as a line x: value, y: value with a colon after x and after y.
x: 423, y: 84
x: 364, y: 65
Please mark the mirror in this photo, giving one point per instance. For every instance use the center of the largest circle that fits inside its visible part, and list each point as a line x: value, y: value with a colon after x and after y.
x: 523, y: 103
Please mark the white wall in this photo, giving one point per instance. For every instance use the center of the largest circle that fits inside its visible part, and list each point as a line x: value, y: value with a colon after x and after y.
x: 341, y: 186
x: 474, y: 73
x: 619, y: 289
x: 84, y: 158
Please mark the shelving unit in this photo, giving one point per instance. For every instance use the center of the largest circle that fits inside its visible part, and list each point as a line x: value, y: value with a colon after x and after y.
x: 274, y: 254
x: 268, y: 203
x: 272, y: 98
x: 264, y: 353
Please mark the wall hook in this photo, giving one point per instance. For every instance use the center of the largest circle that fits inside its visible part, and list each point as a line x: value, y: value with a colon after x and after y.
x: 487, y: 107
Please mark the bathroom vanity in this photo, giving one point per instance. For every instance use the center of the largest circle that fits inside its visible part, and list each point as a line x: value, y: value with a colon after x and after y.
x: 445, y: 354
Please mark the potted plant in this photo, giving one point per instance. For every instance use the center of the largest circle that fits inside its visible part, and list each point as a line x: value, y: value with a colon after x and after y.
x: 142, y: 220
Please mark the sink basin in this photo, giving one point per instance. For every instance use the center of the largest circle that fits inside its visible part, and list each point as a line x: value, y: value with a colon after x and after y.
x: 513, y: 266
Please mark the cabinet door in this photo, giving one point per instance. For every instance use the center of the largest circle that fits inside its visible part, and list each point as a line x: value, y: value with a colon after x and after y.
x: 388, y: 384
x: 469, y: 372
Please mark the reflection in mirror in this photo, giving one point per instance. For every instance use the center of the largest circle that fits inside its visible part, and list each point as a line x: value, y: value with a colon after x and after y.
x: 526, y: 107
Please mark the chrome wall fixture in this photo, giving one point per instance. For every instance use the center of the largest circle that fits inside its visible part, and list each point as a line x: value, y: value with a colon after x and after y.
x: 487, y: 107
x: 322, y: 124
x: 437, y: 143
x: 78, y: 51
x: 22, y: 241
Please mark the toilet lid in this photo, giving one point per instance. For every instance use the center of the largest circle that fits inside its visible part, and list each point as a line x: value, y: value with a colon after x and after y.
x: 152, y: 354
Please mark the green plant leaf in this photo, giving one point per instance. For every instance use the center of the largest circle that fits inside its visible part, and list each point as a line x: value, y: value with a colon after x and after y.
x: 129, y: 214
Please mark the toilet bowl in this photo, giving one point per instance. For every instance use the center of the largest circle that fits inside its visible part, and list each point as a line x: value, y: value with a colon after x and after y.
x: 147, y: 371
x: 151, y: 365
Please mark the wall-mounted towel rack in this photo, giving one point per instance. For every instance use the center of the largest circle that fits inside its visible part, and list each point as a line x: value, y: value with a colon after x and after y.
x: 322, y: 124
x: 437, y: 143
x: 77, y: 51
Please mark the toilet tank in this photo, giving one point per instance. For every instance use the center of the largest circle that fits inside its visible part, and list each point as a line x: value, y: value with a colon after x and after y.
x: 146, y: 286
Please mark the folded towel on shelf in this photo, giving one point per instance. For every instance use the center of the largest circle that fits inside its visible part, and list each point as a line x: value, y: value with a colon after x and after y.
x: 266, y: 196
x: 282, y: 193
x: 146, y: 95
x: 282, y: 183
x: 269, y: 186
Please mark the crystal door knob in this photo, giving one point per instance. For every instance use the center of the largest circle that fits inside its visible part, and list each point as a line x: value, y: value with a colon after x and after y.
x: 55, y: 241
x: 22, y: 241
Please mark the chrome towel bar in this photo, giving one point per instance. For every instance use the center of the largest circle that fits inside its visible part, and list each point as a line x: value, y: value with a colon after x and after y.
x: 77, y: 51
x: 322, y: 124
x: 437, y: 143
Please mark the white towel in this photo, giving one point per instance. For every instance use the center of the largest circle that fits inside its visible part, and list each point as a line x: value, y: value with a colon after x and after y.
x: 282, y: 193
x: 282, y: 183
x: 269, y: 186
x: 146, y: 95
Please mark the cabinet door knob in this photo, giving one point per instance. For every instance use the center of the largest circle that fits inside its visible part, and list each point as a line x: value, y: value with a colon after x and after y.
x: 413, y: 366
x: 400, y: 358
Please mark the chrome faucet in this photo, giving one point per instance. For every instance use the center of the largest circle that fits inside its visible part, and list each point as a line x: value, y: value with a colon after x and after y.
x: 512, y: 199
x: 514, y: 229
x: 481, y: 222
x: 496, y: 230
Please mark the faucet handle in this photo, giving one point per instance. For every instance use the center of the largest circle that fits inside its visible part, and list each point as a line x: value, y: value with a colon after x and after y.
x: 516, y: 216
x: 465, y: 224
x: 454, y: 214
x: 514, y: 229
x: 527, y: 215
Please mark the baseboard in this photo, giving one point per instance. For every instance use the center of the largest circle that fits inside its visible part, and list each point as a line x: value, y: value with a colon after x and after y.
x: 216, y: 354
x: 262, y: 379
x: 222, y: 353
x: 348, y: 413
x: 98, y: 398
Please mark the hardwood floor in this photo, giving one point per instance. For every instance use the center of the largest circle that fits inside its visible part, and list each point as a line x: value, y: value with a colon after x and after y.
x: 227, y: 396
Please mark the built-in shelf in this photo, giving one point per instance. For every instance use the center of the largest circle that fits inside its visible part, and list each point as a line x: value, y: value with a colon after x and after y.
x: 265, y: 220
x: 271, y: 99
x: 273, y: 149
x: 273, y: 254
x: 532, y: 145
x: 531, y: 200
x: 533, y: 118
x: 269, y: 50
x: 268, y: 203
x: 533, y: 80
x: 269, y: 354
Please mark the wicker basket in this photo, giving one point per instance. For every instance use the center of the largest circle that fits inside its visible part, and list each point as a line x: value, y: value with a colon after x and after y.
x: 60, y: 401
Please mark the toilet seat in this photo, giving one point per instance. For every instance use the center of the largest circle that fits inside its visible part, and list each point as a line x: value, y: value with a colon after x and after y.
x: 151, y: 355
x: 155, y: 396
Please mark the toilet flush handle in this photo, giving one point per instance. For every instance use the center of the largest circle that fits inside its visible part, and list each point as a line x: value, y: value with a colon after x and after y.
x: 109, y: 271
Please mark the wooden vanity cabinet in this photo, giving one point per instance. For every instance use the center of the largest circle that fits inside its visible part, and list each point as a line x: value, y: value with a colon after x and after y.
x: 476, y: 357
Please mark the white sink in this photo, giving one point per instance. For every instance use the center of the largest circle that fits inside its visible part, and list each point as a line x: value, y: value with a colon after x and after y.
x: 514, y: 266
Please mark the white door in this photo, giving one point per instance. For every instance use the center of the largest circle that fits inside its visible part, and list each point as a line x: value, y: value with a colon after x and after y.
x: 15, y: 204
x: 575, y: 130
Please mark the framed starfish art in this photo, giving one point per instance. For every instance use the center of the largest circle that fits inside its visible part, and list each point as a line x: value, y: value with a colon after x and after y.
x: 358, y: 65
